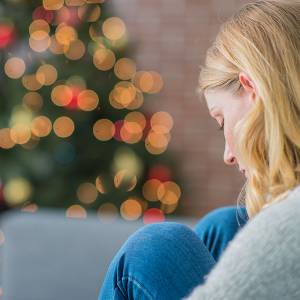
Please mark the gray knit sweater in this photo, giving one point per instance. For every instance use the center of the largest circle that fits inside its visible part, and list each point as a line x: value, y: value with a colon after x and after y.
x: 263, y: 259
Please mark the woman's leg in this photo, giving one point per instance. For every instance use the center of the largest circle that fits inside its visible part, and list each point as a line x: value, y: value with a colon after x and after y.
x: 218, y: 228
x: 159, y: 261
x: 167, y: 260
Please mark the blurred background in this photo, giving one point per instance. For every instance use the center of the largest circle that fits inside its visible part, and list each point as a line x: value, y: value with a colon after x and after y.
x: 100, y: 120
x: 99, y: 111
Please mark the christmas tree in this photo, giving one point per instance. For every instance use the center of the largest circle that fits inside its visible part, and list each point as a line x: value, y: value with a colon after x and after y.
x: 74, y: 134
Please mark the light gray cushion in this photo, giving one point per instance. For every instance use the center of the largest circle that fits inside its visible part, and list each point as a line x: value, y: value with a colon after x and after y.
x: 46, y: 256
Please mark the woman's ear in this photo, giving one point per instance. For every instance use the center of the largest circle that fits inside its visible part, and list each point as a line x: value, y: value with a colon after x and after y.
x: 247, y: 84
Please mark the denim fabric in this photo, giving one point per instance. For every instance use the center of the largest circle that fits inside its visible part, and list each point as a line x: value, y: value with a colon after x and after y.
x: 167, y: 260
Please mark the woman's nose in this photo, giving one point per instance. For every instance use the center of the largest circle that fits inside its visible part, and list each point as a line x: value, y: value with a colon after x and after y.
x: 229, y: 158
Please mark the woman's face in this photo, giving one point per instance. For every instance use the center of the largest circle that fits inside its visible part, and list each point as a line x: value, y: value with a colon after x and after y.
x: 227, y: 110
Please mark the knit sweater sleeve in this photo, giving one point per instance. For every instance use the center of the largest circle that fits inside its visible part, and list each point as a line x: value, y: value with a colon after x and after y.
x: 262, y: 261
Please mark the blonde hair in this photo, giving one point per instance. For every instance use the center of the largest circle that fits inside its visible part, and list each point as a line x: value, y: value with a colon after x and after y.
x: 263, y: 40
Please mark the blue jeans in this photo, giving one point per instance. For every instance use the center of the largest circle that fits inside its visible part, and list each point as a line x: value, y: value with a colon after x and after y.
x: 167, y: 260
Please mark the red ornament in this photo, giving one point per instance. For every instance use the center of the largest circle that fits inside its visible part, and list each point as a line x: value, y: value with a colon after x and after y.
x: 7, y: 35
x: 153, y: 215
x: 160, y: 172
x: 67, y: 15
x: 73, y: 105
x: 118, y: 127
x: 41, y: 13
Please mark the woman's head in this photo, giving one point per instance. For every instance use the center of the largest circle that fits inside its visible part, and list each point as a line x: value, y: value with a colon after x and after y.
x: 251, y: 75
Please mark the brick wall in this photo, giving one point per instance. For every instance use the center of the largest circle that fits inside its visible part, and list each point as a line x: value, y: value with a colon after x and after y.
x: 171, y: 36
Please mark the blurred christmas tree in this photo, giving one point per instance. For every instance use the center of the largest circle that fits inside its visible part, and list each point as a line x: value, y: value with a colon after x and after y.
x: 73, y: 133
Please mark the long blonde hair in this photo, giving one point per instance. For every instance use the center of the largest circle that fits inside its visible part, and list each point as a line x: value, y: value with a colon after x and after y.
x: 263, y: 40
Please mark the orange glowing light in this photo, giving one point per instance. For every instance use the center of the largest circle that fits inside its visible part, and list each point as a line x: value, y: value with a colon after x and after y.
x: 6, y: 141
x: 104, y: 129
x: 89, y: 13
x: 125, y: 68
x: 14, y: 67
x: 149, y: 82
x: 46, y: 74
x: 61, y: 95
x: 100, y: 185
x: 55, y: 47
x: 33, y: 100
x: 169, y: 192
x: 65, y: 34
x: 161, y: 122
x: 104, y: 59
x: 87, y: 193
x: 150, y: 188
x: 39, y: 41
x: 20, y: 133
x: 39, y: 25
x: 88, y: 100
x: 30, y: 82
x: 53, y: 4
x: 41, y: 126
x: 76, y: 211
x: 113, y: 28
x: 63, y: 127
x: 131, y: 209
x: 75, y: 50
x: 107, y: 212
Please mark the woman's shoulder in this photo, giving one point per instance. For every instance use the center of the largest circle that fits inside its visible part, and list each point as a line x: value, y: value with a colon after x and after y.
x: 262, y: 261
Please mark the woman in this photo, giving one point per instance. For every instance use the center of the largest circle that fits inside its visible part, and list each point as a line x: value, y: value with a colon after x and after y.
x: 251, y: 83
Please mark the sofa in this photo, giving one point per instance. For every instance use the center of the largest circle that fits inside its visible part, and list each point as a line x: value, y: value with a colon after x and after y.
x: 46, y: 256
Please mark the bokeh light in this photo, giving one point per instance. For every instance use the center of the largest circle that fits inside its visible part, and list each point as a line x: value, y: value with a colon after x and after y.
x: 76, y: 211
x: 104, y: 129
x: 53, y: 4
x: 55, y: 47
x: 46, y: 74
x: 149, y: 82
x: 87, y: 100
x: 41, y: 126
x: 104, y: 59
x: 125, y: 68
x: 39, y: 25
x: 20, y: 133
x: 150, y: 189
x: 30, y: 208
x: 153, y: 215
x: 89, y: 13
x: 101, y: 185
x: 33, y: 101
x: 131, y: 209
x: 161, y: 122
x: 108, y: 212
x: 39, y: 41
x: 61, y: 95
x: 114, y: 28
x: 124, y: 179
x: 87, y: 193
x: 30, y: 82
x: 65, y: 34
x: 74, y: 50
x: 6, y: 141
x: 169, y: 192
x: 17, y: 190
x: 63, y: 127
x: 14, y: 67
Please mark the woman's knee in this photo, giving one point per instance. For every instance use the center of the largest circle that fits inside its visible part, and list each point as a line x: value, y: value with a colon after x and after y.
x: 218, y: 227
